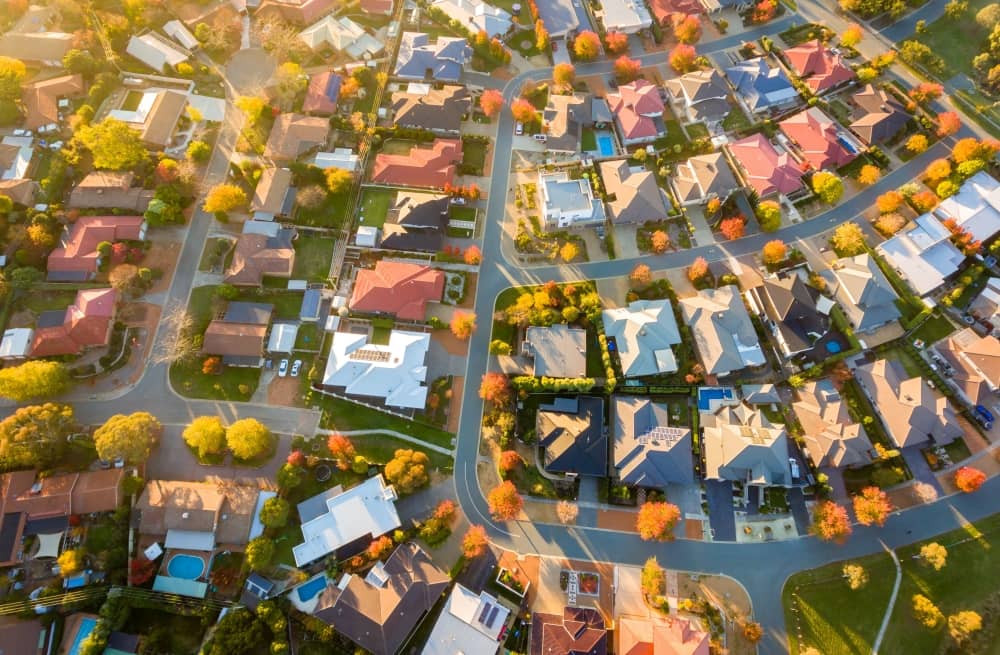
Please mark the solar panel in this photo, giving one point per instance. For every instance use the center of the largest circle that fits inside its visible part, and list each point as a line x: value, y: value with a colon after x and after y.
x: 663, y: 433
x: 365, y: 355
x: 493, y: 617
x: 486, y: 610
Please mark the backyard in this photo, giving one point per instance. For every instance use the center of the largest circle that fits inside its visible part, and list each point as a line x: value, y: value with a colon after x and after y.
x: 312, y: 257
x: 375, y: 203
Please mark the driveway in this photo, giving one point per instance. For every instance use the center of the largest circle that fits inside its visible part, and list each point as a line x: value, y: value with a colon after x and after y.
x: 919, y: 467
x: 173, y: 461
x: 250, y: 70
x: 625, y: 245
x: 720, y: 509
x: 797, y: 505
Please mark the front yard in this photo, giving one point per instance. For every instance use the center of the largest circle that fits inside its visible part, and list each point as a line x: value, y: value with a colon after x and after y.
x: 474, y: 156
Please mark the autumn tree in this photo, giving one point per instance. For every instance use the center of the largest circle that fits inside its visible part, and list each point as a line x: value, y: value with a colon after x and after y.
x: 851, y: 36
x: 848, y: 239
x: 495, y: 388
x: 962, y: 625
x: 972, y: 149
x: 830, y: 522
x: 341, y: 450
x: 926, y: 92
x: 198, y: 151
x: 474, y: 542
x: 924, y: 201
x: 856, y: 576
x: 567, y: 511
x: 869, y: 174
x: 569, y: 251
x: 682, y: 58
x: 774, y: 252
x: 917, y: 144
x: 71, y: 562
x: 35, y: 436
x: 660, y: 241
x: 249, y: 439
x: 969, y: 479
x: 733, y: 227
x: 523, y: 111
x: 938, y: 169
x: 652, y: 579
x: 627, y: 69
x: 889, y: 201
x: 872, y: 506
x: 698, y: 269
x: 688, y: 29
x: 206, y: 435
x: 258, y: 553
x: 889, y: 224
x: 586, y: 46
x: 769, y: 215
x: 509, y: 460
x: 926, y: 612
x: 934, y: 555
x: 274, y: 512
x: 224, y: 198
x: 948, y: 123
x: 408, y: 470
x: 656, y: 521
x: 491, y: 102
x: 564, y: 74
x: 616, y: 42
x: 828, y: 186
x: 338, y: 180
x: 113, y: 145
x: 753, y: 632
x: 504, y: 501
x: 541, y: 36
x: 33, y: 380
x: 641, y: 275
x: 463, y: 324
x: 130, y: 437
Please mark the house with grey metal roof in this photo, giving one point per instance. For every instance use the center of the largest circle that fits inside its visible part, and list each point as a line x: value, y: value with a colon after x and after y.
x: 644, y: 334
x: 647, y: 451
x: 742, y: 445
x: 571, y: 430
x: 724, y: 335
x: 863, y: 292
x: 832, y: 438
x: 633, y: 194
x: 558, y: 351
x: 700, y: 96
x: 441, y: 61
x: 559, y: 16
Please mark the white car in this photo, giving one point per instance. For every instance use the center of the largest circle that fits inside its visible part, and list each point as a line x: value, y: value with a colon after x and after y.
x: 519, y: 128
x: 283, y: 368
x: 296, y: 367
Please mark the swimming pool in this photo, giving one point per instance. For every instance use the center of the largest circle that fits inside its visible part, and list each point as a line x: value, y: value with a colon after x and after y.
x: 605, y: 145
x: 86, y: 627
x: 833, y: 347
x: 184, y: 566
x: 312, y: 588
x: 707, y: 394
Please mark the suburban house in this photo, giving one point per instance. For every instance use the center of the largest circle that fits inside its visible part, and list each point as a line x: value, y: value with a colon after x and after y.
x: 416, y: 222
x: 84, y: 324
x: 664, y: 11
x: 441, y: 61
x: 911, y: 411
x: 761, y: 87
x: 239, y: 336
x: 263, y: 249
x: 155, y: 116
x: 577, y: 631
x: 648, y: 452
x: 567, y: 202
x: 197, y: 515
x: 296, y: 11
x: 33, y: 507
x: 295, y: 134
x: 724, y: 336
x: 468, y: 623
x: 43, y: 100
x: 274, y: 195
x: 344, y: 522
x: 477, y: 16
x: 975, y: 361
x: 36, y: 48
x: 790, y: 307
x: 671, y: 635
x: 643, y: 335
x: 157, y: 52
x: 878, y: 116
x: 397, y: 289
x: 76, y: 258
x: 439, y: 110
x: 432, y: 166
x: 564, y: 118
x: 700, y: 96
x: 633, y: 194
x: 764, y: 168
x: 701, y: 178
x: 832, y: 438
x: 820, y: 141
x: 571, y: 432
x: 560, y: 18
x: 380, y: 610
x: 923, y: 253
x: 322, y: 93
x: 742, y: 445
x: 393, y: 374
x: 343, y: 35
x: 625, y: 16
x: 177, y: 31
x: 16, y: 153
x: 638, y: 109
x: 820, y: 67
x: 986, y: 305
x: 862, y: 291
x: 21, y: 191
x: 558, y: 351
x: 110, y: 190
x: 342, y: 158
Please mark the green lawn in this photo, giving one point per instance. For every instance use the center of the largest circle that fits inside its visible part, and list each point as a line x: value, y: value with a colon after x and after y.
x: 956, y: 41
x: 341, y: 414
x: 398, y: 146
x: 588, y: 140
x: 232, y: 384
x: 460, y: 213
x: 308, y: 337
x: 736, y: 120
x: 331, y: 213
x: 529, y: 480
x: 42, y: 301
x: 697, y: 131
x: 474, y: 154
x: 525, y: 43
x: 211, y: 256
x: 934, y: 329
x: 312, y: 257
x: 375, y: 203
x: 381, y: 334
x: 379, y: 449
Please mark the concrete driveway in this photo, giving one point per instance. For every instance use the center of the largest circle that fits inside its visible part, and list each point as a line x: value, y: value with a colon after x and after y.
x: 250, y: 70
x: 919, y: 467
x: 625, y: 245
x: 719, y: 494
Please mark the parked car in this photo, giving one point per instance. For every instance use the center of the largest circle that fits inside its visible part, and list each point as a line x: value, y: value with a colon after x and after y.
x: 519, y: 128
x: 985, y: 413
x: 296, y: 367
x: 540, y: 137
x: 283, y: 368
x: 794, y: 465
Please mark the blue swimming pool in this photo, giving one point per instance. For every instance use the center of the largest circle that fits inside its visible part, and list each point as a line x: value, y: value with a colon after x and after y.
x: 707, y: 394
x: 184, y: 566
x: 86, y: 627
x: 833, y: 347
x: 605, y: 145
x: 309, y: 590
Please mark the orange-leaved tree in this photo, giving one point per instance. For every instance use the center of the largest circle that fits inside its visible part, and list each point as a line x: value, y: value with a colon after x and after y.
x: 656, y: 521
x: 504, y: 501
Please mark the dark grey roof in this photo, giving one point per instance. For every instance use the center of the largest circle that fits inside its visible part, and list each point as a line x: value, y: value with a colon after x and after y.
x: 647, y: 452
x: 442, y: 109
x: 8, y: 535
x: 311, y: 301
x: 123, y: 642
x: 574, y: 441
x: 253, y: 313
x: 315, y: 506
x: 417, y: 227
x: 51, y: 318
x: 792, y: 306
x: 444, y: 60
x: 46, y: 526
x: 863, y: 292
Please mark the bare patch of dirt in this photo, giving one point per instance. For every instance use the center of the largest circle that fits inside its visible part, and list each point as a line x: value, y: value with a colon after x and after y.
x: 162, y: 256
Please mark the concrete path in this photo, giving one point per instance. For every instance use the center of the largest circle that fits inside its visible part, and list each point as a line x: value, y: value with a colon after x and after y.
x: 892, y: 602
x: 392, y: 433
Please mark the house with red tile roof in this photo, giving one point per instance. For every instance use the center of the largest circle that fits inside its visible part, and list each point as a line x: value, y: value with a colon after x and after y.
x: 764, y: 168
x: 322, y: 94
x: 296, y: 11
x: 638, y: 109
x: 577, y: 631
x: 84, y: 324
x: 660, y: 636
x: 819, y: 67
x: 664, y: 11
x: 822, y: 144
x: 377, y: 6
x: 398, y: 289
x: 432, y: 167
x: 77, y: 259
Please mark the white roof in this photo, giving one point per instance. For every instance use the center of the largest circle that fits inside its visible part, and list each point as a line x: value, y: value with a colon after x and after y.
x: 469, y: 623
x: 976, y: 207
x: 156, y: 51
x: 19, y: 167
x: 394, y: 373
x: 341, y: 34
x: 211, y: 109
x: 367, y: 509
x: 644, y: 332
x: 282, y: 339
x: 153, y: 551
x: 139, y: 114
x: 189, y: 540
x: 267, y: 228
x: 367, y: 236
x: 923, y: 254
x: 49, y: 544
x: 178, y: 32
x: 342, y: 158
x: 627, y: 16
x: 16, y: 342
x: 476, y: 15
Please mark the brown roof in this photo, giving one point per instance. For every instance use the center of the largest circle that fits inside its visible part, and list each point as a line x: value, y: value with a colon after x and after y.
x: 578, y: 631
x: 660, y: 636
x: 322, y: 94
x: 36, y: 46
x: 397, y: 288
x: 20, y: 637
x: 174, y: 505
x: 22, y: 192
x: 294, y: 134
x: 832, y: 438
x: 269, y: 195
x: 86, y: 323
x: 78, y: 252
x: 257, y: 255
x: 163, y: 117
x: 297, y: 11
x: 234, y: 339
x: 110, y: 190
x: 637, y: 196
x: 441, y: 109
x: 421, y: 167
x: 976, y: 361
x: 879, y: 116
x: 380, y: 618
x: 41, y: 99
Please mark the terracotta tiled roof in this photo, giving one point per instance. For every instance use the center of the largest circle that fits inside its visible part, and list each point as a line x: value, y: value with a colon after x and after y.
x: 423, y: 167
x: 821, y: 68
x: 257, y: 255
x: 79, y: 250
x: 665, y: 10
x: 86, y: 324
x: 635, y: 105
x: 816, y: 134
x: 767, y: 171
x: 397, y: 288
x: 322, y: 94
x: 578, y: 631
x: 666, y: 636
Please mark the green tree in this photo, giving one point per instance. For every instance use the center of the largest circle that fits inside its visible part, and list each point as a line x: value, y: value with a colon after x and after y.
x: 128, y: 436
x: 113, y: 145
x: 207, y: 435
x: 274, y: 513
x: 35, y: 436
x: 81, y: 62
x: 6, y: 204
x: 289, y: 476
x: 769, y: 215
x: 22, y: 277
x: 259, y: 553
x: 239, y: 632
x: 848, y: 240
x: 828, y: 187
x: 198, y: 151
x: 249, y: 439
x: 499, y: 347
x: 33, y: 379
x: 224, y: 198
x: 408, y: 470
x: 12, y: 74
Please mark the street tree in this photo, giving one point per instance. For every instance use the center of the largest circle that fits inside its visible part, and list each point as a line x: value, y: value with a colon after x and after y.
x: 889, y: 201
x: 408, y: 470
x: 917, y: 144
x: 130, y: 437
x: 660, y: 241
x: 474, y: 542
x: 688, y: 29
x: 926, y: 612
x: 35, y: 436
x: 274, y: 512
x: 627, y: 69
x: 33, y: 380
x: 495, y: 388
x: 564, y: 74
x: 463, y: 324
x: 774, y: 252
x: 683, y: 58
x: 569, y: 251
x: 889, y: 224
x: 224, y: 198
x: 509, y: 460
x: 769, y: 215
x: 586, y: 46
x: 698, y: 270
x: 934, y: 555
x: 504, y: 501
x: 926, y: 92
x: 869, y: 174
x: 113, y: 145
x: 206, y: 435
x: 848, y: 239
x: 491, y: 102
x: 656, y: 521
x: 472, y: 255
x: 616, y: 42
x: 948, y: 123
x: 830, y: 522
x: 828, y: 186
x: 734, y: 227
x: 851, y: 36
x: 641, y: 275
x: 969, y: 479
x: 872, y: 506
x: 523, y: 111
x: 937, y: 170
x: 249, y: 439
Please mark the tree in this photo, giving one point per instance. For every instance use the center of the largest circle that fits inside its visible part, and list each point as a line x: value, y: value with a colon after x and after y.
x: 753, y: 632
x: 682, y: 58
x: 509, y: 461
x: 311, y: 197
x: 474, y: 542
x: 290, y: 81
x: 587, y: 45
x: 925, y: 493
x: 988, y: 17
x: 934, y: 555
x: 769, y: 215
x: 341, y: 450
x: 856, y: 575
x: 970, y: 148
x: 239, y: 632
x: 569, y: 251
x: 472, y: 255
x: 828, y: 187
x: 926, y: 92
x: 499, y: 347
x: 627, y: 69
x: 338, y: 180
x: 463, y: 324
x: 567, y: 511
x: 660, y: 241
x: 35, y: 436
x: 733, y: 227
x: 206, y: 435
x: 274, y: 512
x: 869, y: 174
x: 541, y: 36
x: 113, y: 145
x: 641, y: 275
x: 130, y: 437
x: 851, y: 36
x: 167, y: 171
x: 259, y: 552
x: 924, y: 201
x: 961, y: 625
x: 774, y: 252
x: 249, y: 439
x: 917, y: 144
x: 198, y: 151
x: 688, y: 29
x: 955, y: 8
x: 946, y: 189
x: 71, y: 562
x: 495, y: 388
x: 872, y: 506
x: 938, y: 169
x: 289, y: 476
x: 504, y: 501
x: 848, y: 239
x: 523, y: 111
x: 656, y: 521
x: 698, y: 269
x: 12, y: 74
x: 34, y: 379
x: 889, y: 224
x: 564, y: 74
x: 830, y: 522
x: 969, y: 479
x: 926, y: 612
x: 889, y: 201
x: 125, y: 278
x: 652, y: 579
x: 616, y: 42
x: 948, y: 123
x: 407, y: 470
x: 224, y: 198
x: 491, y: 102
